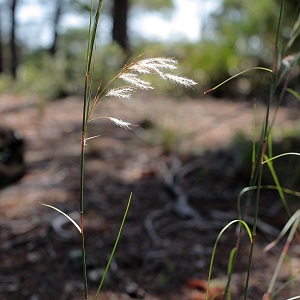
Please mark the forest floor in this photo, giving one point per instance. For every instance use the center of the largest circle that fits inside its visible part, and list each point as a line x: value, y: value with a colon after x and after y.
x: 185, y: 174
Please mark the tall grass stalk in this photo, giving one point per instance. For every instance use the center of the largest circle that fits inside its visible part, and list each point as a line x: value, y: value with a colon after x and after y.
x: 86, y: 103
x: 264, y: 144
x: 130, y: 74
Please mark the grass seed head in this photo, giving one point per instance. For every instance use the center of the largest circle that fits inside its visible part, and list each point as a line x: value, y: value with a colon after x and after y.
x: 121, y: 92
x: 136, y: 81
x: 121, y: 123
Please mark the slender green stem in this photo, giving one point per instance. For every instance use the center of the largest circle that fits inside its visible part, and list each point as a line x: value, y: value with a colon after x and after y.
x: 85, y: 281
x: 253, y: 233
x: 263, y: 150
x: 85, y: 114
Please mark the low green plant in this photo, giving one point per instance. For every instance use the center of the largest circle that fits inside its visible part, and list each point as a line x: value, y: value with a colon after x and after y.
x: 262, y: 156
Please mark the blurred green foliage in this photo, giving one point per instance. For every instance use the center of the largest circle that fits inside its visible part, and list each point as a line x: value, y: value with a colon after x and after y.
x: 63, y: 74
x: 238, y: 36
x: 244, y: 34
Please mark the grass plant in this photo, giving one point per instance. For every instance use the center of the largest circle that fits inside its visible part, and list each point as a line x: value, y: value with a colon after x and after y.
x: 279, y: 73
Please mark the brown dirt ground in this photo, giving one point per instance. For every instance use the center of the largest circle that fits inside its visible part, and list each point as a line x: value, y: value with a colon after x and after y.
x: 39, y: 261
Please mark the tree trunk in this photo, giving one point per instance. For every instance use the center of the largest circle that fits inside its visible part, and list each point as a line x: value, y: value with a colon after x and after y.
x: 120, y: 15
x: 53, y: 48
x: 13, y: 45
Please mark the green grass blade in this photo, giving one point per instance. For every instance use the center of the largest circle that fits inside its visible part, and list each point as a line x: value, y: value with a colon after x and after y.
x: 283, y: 254
x: 290, y: 222
x: 216, y: 244
x: 270, y: 145
x: 271, y: 187
x: 236, y: 75
x: 231, y: 264
x: 253, y: 158
x: 277, y: 183
x: 92, y: 34
x: 295, y: 33
x: 64, y: 214
x: 231, y: 258
x: 280, y: 155
x: 294, y: 298
x: 294, y: 93
x: 90, y: 51
x: 114, y: 248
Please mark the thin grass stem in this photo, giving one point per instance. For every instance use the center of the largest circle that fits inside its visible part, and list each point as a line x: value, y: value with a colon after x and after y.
x: 263, y: 150
x: 86, y: 106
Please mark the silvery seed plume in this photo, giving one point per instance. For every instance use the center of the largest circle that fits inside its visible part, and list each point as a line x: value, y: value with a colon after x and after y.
x: 180, y: 80
x: 121, y: 123
x: 131, y: 74
x: 136, y: 81
x: 118, y: 122
x: 154, y: 65
x: 122, y: 92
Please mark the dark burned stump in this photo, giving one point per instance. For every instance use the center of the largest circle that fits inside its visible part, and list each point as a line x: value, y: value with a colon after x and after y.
x: 12, y: 166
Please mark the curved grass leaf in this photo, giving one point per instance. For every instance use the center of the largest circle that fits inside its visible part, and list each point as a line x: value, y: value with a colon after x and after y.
x: 64, y: 214
x: 290, y: 222
x: 293, y: 222
x: 280, y: 155
x: 294, y: 93
x: 271, y: 187
x: 215, y: 248
x: 236, y: 75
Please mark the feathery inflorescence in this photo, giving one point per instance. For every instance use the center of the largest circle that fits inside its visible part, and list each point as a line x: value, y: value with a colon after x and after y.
x: 149, y: 66
x: 136, y: 81
x: 121, y: 123
x: 121, y: 92
x: 131, y: 74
